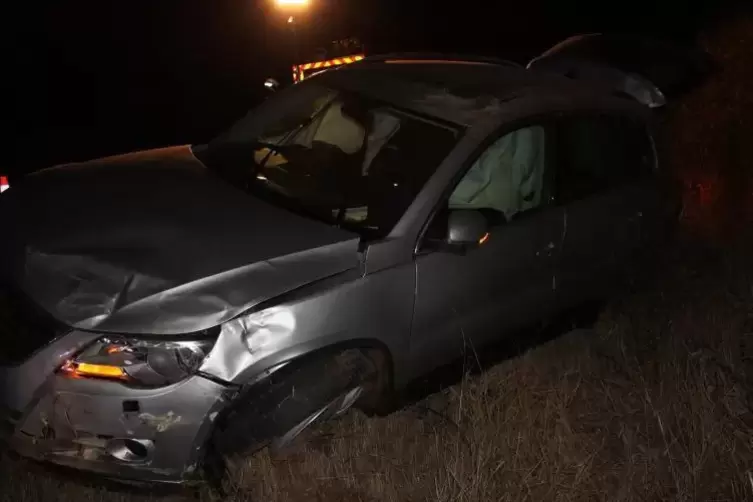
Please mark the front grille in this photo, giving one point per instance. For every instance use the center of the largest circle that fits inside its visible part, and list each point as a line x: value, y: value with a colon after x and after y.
x: 24, y: 328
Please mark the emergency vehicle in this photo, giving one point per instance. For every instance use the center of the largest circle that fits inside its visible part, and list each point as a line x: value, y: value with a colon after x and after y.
x: 303, y: 71
x: 340, y: 53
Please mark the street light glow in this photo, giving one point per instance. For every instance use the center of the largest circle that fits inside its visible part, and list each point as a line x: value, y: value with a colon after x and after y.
x: 292, y: 3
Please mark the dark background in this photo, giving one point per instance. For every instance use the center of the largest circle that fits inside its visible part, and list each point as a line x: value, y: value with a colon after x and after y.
x: 87, y: 78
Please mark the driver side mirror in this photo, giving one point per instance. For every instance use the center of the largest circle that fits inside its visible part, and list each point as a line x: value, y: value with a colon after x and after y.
x: 466, y: 230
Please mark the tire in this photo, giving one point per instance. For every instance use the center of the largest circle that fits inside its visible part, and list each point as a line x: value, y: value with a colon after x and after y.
x: 271, y: 412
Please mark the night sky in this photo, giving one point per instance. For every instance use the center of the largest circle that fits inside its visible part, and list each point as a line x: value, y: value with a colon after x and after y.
x: 94, y: 78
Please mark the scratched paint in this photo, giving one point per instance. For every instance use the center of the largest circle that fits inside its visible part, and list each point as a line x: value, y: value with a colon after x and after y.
x: 160, y: 422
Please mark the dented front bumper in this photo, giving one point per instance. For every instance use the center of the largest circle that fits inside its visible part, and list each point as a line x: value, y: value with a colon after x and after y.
x: 107, y: 428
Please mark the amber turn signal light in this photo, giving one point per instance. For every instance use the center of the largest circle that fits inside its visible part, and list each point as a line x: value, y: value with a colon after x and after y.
x: 78, y: 370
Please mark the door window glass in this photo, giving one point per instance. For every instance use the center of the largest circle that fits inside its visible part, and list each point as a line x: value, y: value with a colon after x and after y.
x: 508, y: 178
x: 598, y: 153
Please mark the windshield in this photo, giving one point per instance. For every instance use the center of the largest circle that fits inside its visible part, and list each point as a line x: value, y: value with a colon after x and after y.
x: 333, y: 155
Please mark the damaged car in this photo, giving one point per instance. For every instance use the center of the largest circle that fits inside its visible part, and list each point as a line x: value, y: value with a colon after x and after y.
x: 355, y: 231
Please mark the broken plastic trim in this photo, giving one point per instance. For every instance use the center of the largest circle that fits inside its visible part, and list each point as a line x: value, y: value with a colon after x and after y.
x: 140, y: 362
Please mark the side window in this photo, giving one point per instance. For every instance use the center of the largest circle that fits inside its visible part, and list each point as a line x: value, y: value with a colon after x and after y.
x: 597, y: 153
x: 507, y: 179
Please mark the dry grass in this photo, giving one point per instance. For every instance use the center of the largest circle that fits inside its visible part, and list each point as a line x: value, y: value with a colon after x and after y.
x: 654, y: 403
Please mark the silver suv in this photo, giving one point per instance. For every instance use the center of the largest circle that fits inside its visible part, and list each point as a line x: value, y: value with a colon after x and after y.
x: 356, y: 230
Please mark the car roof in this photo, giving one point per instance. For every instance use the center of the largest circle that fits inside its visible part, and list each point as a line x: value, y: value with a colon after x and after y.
x: 461, y: 90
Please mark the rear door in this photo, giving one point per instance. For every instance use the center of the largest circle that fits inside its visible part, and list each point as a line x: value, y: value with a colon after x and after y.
x: 606, y: 182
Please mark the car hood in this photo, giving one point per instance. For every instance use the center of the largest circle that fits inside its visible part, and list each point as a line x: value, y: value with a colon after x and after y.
x: 154, y: 243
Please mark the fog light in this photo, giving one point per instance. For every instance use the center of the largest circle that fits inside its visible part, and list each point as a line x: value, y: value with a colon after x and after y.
x: 131, y: 451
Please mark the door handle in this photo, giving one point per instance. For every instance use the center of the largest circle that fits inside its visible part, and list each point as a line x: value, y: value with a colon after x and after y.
x: 547, y: 250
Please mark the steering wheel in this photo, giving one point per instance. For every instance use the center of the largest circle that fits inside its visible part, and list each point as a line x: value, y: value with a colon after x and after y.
x: 293, y: 153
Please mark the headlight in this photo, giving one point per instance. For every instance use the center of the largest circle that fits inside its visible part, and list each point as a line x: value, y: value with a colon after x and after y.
x: 140, y: 362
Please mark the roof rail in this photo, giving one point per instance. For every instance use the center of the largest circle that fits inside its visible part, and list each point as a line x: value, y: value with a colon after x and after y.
x: 438, y: 57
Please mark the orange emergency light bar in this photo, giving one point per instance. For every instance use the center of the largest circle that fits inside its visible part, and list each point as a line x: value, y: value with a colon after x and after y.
x: 299, y: 71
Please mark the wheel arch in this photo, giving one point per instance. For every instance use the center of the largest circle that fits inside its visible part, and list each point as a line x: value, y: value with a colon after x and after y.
x: 265, y: 396
x: 287, y: 360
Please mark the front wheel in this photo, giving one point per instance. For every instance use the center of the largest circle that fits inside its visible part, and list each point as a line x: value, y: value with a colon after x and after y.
x: 282, y: 409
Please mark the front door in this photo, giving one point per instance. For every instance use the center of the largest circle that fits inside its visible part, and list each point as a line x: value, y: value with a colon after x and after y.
x: 464, y: 301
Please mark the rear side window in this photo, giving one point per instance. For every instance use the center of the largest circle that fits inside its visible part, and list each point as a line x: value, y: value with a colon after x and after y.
x: 598, y: 153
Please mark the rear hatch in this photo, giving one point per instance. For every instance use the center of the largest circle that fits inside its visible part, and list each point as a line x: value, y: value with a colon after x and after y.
x: 649, y: 70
